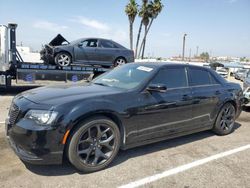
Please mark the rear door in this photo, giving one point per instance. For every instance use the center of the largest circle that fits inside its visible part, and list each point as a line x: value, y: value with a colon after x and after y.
x: 108, y: 51
x: 206, y: 96
x: 166, y: 113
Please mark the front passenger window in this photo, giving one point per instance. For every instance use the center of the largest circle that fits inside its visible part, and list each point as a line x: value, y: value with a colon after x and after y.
x: 89, y: 43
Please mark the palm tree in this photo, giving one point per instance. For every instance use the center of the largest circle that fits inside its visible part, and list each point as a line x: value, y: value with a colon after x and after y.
x: 154, y: 10
x: 131, y: 10
x: 141, y: 14
x: 146, y: 15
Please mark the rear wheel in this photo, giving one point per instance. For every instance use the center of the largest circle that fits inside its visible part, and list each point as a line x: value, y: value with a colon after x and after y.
x: 120, y: 61
x: 225, y: 120
x: 63, y: 59
x: 94, y: 144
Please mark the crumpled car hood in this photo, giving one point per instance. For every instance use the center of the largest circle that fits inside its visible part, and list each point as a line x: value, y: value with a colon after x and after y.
x: 58, y: 40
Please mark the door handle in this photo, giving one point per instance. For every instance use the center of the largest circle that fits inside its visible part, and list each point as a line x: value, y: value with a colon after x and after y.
x: 159, y: 106
x: 186, y: 97
x: 217, y: 92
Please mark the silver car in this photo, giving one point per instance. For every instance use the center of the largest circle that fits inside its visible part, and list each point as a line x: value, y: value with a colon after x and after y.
x: 89, y: 51
x: 246, y: 89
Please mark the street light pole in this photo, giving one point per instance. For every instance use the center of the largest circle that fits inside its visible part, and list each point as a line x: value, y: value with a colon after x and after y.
x: 183, y: 49
x: 197, y: 51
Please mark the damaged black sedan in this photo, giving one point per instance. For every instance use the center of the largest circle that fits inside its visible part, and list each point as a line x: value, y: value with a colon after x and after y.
x: 88, y: 51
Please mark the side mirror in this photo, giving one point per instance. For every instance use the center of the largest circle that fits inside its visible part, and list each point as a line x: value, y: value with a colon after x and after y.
x: 79, y: 45
x: 157, y: 87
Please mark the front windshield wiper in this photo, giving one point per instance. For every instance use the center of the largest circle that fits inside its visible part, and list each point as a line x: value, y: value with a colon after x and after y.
x: 101, y: 84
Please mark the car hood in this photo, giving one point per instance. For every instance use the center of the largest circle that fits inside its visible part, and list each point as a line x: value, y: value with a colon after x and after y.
x: 58, y: 40
x: 61, y: 94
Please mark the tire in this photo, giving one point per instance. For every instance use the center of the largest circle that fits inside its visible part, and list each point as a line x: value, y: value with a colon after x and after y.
x: 225, y: 120
x: 90, y: 150
x: 63, y: 59
x: 120, y: 61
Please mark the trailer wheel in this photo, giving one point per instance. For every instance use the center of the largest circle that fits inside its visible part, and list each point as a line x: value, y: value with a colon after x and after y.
x: 63, y: 59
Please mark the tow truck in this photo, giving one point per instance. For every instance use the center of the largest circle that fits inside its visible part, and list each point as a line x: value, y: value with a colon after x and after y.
x: 14, y: 71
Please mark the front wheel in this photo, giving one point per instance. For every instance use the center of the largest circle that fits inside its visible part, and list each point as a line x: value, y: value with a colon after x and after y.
x: 224, y: 123
x: 94, y: 144
x: 63, y: 59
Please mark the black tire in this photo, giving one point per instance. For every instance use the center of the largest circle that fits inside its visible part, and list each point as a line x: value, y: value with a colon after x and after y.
x: 119, y: 61
x: 63, y: 59
x: 225, y: 120
x: 90, y: 150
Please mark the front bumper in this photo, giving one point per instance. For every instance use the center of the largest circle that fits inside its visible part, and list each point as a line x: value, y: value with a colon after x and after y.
x: 47, y: 54
x: 33, y: 144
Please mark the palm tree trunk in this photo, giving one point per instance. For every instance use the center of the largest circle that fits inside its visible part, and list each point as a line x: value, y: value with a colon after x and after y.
x: 137, y: 40
x: 144, y: 39
x: 144, y: 42
x: 131, y: 35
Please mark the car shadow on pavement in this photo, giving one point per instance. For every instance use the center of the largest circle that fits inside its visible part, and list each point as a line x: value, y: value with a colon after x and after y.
x: 67, y: 169
x: 246, y: 108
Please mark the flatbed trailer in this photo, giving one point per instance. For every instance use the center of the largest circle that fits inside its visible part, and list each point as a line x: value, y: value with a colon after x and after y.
x: 13, y: 70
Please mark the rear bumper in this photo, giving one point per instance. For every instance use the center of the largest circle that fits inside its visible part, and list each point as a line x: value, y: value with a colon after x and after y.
x: 130, y: 59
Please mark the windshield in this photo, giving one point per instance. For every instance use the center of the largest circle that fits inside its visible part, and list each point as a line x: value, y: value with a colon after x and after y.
x: 128, y: 76
x: 76, y: 41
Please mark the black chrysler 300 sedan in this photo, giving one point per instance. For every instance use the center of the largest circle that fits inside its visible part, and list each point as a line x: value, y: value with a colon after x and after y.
x: 132, y: 105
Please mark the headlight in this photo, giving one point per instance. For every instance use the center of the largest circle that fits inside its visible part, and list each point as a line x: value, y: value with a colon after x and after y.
x: 42, y: 117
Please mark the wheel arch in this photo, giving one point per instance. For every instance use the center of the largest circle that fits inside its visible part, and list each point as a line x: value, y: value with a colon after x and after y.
x: 110, y: 115
x: 231, y: 102
x: 63, y: 51
x: 121, y: 57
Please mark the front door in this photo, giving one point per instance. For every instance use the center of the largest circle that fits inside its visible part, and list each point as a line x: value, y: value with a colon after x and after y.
x: 165, y: 113
x: 87, y: 51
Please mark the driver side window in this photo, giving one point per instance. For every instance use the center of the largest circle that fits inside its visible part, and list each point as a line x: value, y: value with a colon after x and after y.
x: 171, y: 78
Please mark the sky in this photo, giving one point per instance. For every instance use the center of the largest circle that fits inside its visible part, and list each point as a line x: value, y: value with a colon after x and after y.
x: 220, y: 27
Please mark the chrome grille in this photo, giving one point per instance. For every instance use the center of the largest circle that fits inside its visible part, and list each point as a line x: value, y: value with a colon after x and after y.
x: 13, y: 113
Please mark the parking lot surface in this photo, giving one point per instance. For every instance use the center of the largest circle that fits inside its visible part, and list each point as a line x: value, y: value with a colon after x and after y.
x: 142, y: 162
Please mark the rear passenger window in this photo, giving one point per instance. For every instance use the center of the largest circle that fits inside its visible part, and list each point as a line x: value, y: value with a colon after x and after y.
x: 171, y: 77
x: 198, y: 77
x: 213, y: 80
x: 107, y: 44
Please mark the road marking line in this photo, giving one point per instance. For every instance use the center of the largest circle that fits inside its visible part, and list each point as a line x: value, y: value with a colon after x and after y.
x: 182, y: 168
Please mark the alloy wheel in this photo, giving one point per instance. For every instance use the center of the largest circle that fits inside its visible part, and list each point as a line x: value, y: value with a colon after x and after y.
x: 96, y: 145
x: 119, y: 62
x: 63, y: 60
x: 227, y: 117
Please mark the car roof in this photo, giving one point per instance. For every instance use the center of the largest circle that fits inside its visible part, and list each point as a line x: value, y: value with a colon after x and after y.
x: 96, y: 38
x: 169, y: 64
x: 159, y: 65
